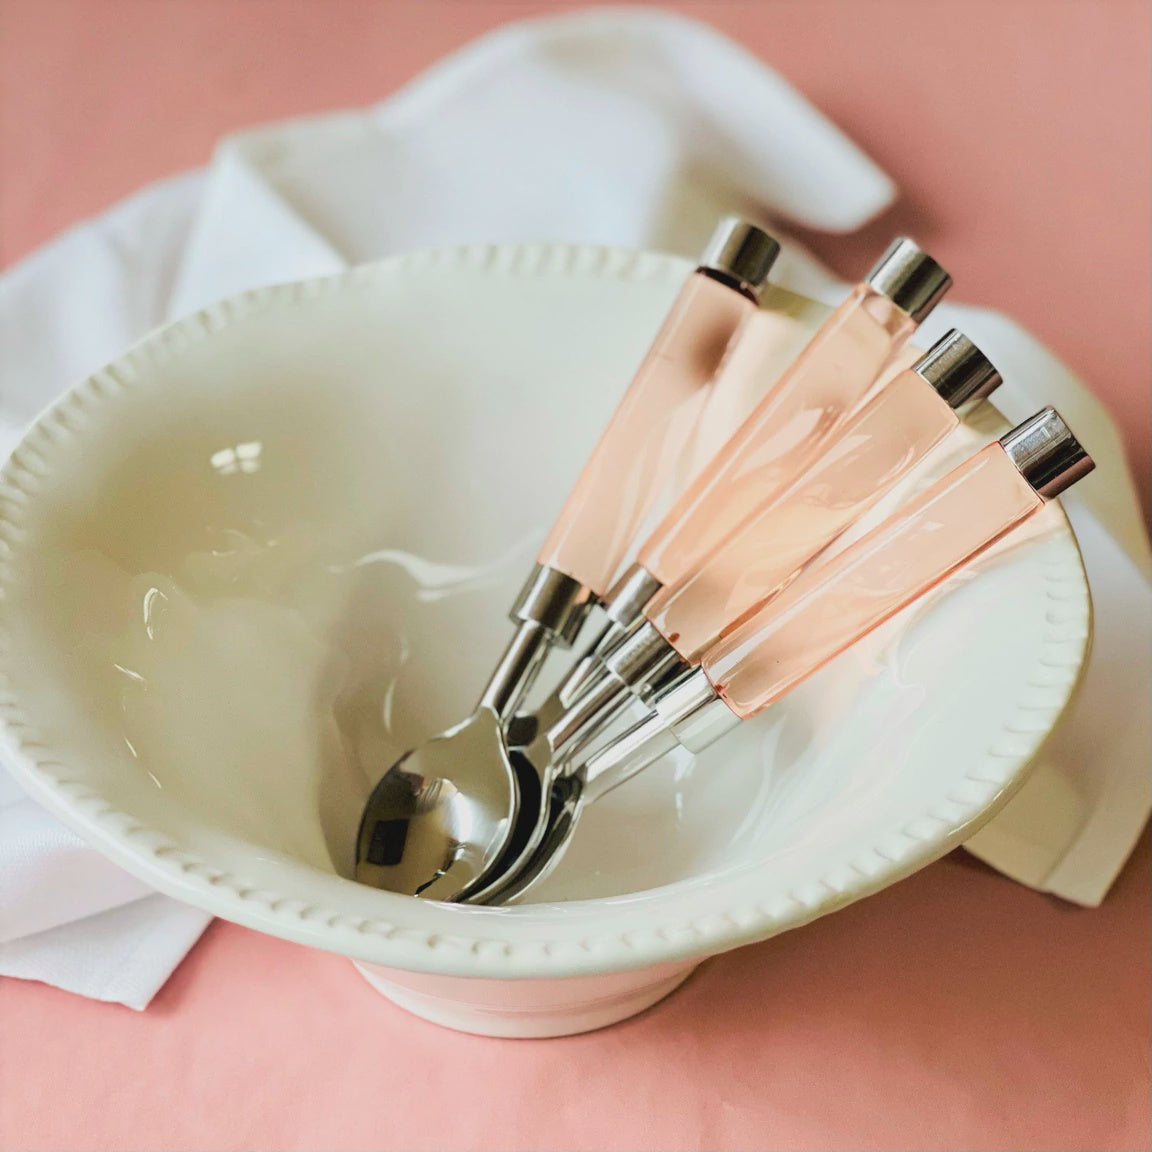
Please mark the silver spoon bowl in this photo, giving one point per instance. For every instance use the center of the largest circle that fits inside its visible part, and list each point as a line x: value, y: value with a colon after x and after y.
x: 442, y: 815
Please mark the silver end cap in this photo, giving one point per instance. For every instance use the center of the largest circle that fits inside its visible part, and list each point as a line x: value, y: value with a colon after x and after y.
x: 1046, y: 453
x: 910, y: 278
x: 958, y: 370
x: 742, y: 253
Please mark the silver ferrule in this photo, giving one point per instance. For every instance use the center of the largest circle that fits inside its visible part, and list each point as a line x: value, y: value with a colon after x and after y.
x: 694, y: 713
x: 555, y: 601
x: 585, y: 671
x: 574, y: 728
x: 624, y: 607
x: 656, y: 685
x: 627, y: 597
x: 645, y: 661
x: 910, y: 278
x: 642, y: 655
x: 691, y: 716
x: 1046, y: 453
x: 958, y: 370
x: 636, y: 659
x: 741, y: 254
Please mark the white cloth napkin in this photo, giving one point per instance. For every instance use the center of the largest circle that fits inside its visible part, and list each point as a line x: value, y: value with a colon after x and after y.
x: 630, y: 127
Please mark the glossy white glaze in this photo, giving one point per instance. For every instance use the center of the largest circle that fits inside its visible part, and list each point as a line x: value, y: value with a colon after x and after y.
x: 391, y: 415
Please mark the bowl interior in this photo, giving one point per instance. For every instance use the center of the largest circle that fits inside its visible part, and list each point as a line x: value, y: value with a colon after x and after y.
x: 275, y: 546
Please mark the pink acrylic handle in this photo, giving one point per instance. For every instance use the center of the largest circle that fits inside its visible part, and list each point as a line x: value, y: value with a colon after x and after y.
x: 640, y: 449
x: 786, y: 431
x: 880, y: 444
x: 828, y: 609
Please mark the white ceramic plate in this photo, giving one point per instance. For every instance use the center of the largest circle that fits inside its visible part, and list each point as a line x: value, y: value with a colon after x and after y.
x: 306, y: 442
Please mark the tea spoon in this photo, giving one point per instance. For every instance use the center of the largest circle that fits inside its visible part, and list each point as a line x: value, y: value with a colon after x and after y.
x: 821, y: 614
x: 881, y: 443
x: 441, y: 816
x: 800, y: 416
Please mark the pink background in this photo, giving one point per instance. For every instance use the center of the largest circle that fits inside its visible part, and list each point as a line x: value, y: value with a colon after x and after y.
x: 956, y: 1011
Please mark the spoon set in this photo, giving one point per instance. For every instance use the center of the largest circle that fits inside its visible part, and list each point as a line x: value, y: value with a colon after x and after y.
x: 723, y: 611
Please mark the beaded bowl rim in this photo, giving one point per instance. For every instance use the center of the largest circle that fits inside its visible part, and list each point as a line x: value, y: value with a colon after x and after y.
x: 520, y: 942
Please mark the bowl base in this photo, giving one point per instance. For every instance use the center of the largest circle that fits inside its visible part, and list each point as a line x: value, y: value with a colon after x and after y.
x: 527, y: 1009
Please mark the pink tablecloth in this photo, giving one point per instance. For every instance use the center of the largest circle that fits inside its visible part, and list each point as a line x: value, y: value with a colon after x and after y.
x: 956, y: 1011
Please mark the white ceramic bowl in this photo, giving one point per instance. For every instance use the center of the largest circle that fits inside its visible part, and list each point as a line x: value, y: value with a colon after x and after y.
x: 210, y: 607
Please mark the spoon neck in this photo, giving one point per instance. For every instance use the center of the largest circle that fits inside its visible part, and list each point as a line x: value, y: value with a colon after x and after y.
x: 642, y: 745
x: 549, y: 611
x: 640, y: 657
x: 517, y: 669
x: 623, y: 606
x: 690, y: 715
